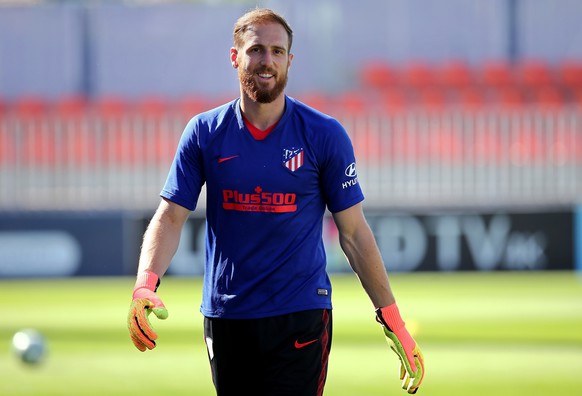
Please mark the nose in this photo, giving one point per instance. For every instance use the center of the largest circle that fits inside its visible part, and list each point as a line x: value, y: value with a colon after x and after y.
x: 266, y: 59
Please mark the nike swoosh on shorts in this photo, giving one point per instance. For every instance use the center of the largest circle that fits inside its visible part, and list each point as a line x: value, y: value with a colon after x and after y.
x: 300, y: 345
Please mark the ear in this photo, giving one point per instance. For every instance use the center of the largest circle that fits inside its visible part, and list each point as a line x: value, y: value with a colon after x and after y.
x: 233, y: 57
x: 290, y: 60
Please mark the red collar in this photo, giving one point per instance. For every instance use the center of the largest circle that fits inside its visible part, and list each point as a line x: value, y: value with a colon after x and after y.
x: 256, y: 132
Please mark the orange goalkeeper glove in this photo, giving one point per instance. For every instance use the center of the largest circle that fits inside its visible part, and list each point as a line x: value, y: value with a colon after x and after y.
x: 145, y: 300
x: 401, y: 342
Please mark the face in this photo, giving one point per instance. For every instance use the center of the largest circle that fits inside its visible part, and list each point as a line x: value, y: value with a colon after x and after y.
x: 263, y: 62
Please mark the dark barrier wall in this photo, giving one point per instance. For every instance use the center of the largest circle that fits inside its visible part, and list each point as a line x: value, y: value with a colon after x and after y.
x: 108, y: 244
x: 67, y: 244
x: 439, y: 242
x: 476, y: 241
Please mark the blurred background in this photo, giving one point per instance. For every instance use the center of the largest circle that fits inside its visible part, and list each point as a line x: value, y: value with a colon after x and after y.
x: 466, y: 119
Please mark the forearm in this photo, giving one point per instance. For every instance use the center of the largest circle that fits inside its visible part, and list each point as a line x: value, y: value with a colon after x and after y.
x: 161, y: 239
x: 365, y: 259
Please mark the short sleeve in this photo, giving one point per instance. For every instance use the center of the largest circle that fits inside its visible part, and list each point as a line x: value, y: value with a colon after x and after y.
x: 338, y: 170
x: 186, y: 177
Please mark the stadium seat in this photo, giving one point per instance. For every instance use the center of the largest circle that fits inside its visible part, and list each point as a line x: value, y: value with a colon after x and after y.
x: 114, y: 133
x: 570, y: 74
x: 418, y: 75
x: 497, y: 74
x: 378, y: 75
x: 79, y: 147
x: 509, y: 96
x: 471, y: 97
x: 393, y: 100
x: 30, y: 106
x: 534, y: 74
x: 7, y: 143
x: 431, y: 97
x: 575, y: 97
x: 71, y: 106
x: 456, y: 74
x: 549, y: 95
x: 35, y: 144
x: 3, y: 106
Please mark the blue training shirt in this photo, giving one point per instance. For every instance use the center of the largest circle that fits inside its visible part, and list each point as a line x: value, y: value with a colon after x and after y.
x: 265, y: 205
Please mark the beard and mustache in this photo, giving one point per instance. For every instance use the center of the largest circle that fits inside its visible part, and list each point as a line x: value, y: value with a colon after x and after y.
x: 253, y: 89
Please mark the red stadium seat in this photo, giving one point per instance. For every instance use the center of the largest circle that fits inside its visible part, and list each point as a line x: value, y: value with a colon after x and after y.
x: 418, y: 75
x: 378, y: 75
x: 471, y: 97
x: 7, y: 144
x: 36, y: 146
x: 30, y: 106
x: 534, y: 74
x: 570, y: 74
x: 71, y: 106
x: 431, y: 97
x: 550, y: 95
x: 3, y: 106
x: 576, y: 97
x: 455, y: 74
x: 497, y: 74
x: 79, y: 147
x: 114, y: 133
x: 393, y: 100
x: 509, y: 96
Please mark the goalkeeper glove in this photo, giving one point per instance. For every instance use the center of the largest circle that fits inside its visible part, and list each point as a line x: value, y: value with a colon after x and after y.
x: 145, y: 301
x: 401, y: 342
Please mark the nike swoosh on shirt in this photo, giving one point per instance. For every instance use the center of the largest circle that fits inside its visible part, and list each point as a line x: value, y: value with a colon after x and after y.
x: 300, y: 345
x: 223, y: 159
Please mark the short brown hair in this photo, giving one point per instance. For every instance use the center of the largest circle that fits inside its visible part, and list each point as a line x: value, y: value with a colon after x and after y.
x: 256, y: 17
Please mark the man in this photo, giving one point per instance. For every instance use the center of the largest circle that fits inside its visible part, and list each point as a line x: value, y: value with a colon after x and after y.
x: 271, y: 166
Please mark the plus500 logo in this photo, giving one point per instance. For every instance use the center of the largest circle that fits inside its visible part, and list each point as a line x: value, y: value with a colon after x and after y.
x: 259, y: 201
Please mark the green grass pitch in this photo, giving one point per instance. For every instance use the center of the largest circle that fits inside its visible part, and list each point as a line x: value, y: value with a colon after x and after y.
x: 481, y: 333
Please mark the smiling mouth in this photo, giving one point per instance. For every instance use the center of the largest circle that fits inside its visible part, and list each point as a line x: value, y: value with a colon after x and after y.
x: 265, y: 74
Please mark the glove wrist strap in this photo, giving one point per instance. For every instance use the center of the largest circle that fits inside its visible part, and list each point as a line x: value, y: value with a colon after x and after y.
x: 390, y: 317
x: 148, y: 280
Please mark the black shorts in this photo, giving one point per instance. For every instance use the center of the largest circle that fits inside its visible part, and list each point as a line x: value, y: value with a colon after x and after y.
x: 275, y: 356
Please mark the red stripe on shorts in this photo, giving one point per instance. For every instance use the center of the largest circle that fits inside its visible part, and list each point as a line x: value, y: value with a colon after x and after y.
x: 324, y: 354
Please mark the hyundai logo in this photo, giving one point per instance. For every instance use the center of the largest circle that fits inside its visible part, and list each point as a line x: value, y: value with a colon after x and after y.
x: 351, y: 170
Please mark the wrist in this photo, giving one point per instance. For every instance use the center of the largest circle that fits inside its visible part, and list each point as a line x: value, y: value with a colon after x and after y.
x: 148, y: 280
x: 390, y: 317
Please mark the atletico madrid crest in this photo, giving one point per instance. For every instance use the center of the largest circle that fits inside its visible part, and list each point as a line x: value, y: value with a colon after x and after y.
x: 293, y: 158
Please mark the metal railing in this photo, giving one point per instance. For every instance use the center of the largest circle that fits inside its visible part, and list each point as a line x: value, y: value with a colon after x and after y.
x: 413, y: 158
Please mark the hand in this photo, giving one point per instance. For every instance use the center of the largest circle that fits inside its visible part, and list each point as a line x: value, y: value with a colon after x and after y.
x: 145, y: 300
x: 402, y: 343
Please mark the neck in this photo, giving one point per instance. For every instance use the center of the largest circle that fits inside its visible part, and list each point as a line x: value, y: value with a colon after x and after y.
x: 262, y: 115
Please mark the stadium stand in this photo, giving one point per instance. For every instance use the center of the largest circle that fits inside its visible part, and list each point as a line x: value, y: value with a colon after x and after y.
x: 410, y: 122
x: 397, y: 86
